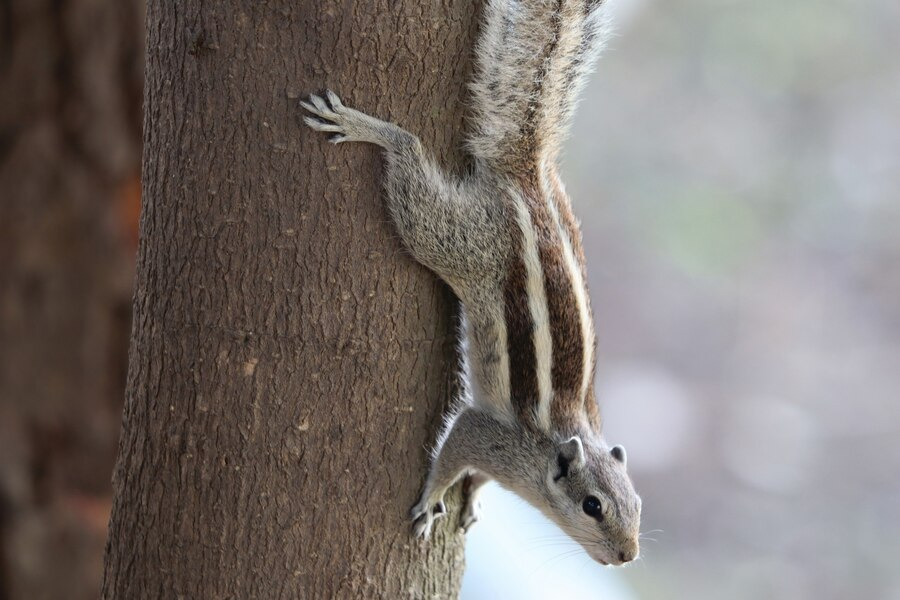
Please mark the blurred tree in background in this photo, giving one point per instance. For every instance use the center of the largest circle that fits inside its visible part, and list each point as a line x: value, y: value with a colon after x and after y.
x: 70, y: 74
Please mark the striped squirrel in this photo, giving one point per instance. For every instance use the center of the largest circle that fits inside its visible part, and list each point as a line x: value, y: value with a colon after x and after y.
x: 505, y: 239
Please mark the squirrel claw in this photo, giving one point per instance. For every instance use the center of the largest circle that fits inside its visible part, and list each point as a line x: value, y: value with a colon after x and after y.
x: 327, y: 117
x: 422, y: 526
x: 424, y: 517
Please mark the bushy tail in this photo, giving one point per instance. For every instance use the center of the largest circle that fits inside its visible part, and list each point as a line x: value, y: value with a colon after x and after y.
x: 531, y: 61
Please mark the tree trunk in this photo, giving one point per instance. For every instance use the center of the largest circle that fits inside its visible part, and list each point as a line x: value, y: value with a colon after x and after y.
x: 289, y: 361
x: 70, y: 75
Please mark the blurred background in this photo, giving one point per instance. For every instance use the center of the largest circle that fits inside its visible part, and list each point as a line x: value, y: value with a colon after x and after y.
x: 736, y: 167
x: 71, y: 76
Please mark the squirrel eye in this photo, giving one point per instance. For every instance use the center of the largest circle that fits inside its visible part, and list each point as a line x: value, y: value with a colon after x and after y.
x: 592, y: 507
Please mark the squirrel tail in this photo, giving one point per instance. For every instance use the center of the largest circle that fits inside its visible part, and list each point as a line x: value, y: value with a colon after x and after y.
x: 532, y: 58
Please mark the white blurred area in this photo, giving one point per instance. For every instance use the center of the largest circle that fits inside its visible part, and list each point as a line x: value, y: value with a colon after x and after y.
x: 736, y: 168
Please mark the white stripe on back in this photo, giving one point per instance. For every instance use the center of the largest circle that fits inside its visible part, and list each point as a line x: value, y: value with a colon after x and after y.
x: 540, y: 314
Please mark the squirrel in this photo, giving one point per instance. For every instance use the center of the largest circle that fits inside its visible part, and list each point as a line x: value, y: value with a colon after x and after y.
x: 504, y: 238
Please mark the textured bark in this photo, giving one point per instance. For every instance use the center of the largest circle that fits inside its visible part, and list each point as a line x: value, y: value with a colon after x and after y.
x: 289, y: 361
x: 70, y: 75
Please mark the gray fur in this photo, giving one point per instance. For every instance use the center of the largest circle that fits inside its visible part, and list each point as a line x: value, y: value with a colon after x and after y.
x: 463, y: 230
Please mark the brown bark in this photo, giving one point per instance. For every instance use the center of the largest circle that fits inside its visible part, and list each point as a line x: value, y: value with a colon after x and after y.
x: 70, y: 75
x: 289, y: 361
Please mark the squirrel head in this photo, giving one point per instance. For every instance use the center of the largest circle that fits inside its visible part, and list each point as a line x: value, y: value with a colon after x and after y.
x: 590, y: 496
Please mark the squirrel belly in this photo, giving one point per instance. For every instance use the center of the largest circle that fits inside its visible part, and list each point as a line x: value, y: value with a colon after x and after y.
x: 505, y: 239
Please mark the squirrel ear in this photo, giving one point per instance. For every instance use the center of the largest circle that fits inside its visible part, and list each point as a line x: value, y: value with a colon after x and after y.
x: 618, y: 453
x: 572, y: 452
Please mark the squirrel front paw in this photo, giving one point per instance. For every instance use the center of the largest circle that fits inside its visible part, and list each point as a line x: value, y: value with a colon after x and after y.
x: 347, y: 125
x: 423, y: 517
x: 331, y: 116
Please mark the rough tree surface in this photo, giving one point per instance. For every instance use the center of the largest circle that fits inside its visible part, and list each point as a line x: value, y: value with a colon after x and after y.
x: 289, y: 361
x: 70, y: 101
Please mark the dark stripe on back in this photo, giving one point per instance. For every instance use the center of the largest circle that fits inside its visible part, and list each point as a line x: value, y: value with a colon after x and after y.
x: 565, y: 320
x: 523, y: 384
x: 572, y: 229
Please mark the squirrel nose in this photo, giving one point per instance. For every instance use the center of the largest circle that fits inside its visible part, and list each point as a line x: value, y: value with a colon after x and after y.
x: 628, y: 555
